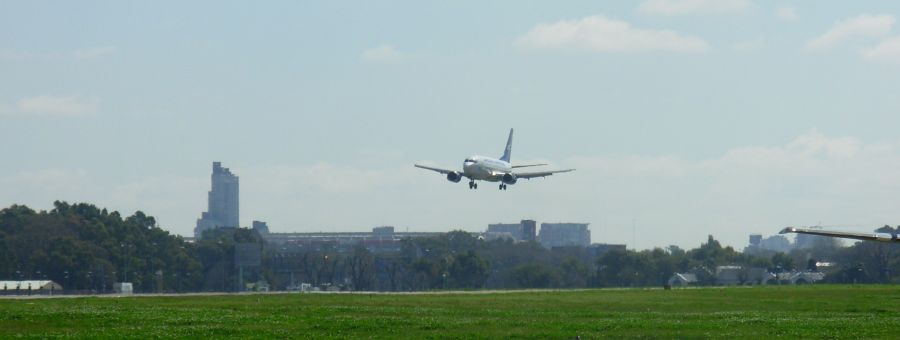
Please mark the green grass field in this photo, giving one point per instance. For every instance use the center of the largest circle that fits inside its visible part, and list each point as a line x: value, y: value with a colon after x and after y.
x: 757, y: 312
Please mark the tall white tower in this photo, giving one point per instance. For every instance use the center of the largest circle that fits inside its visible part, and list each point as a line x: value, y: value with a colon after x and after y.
x: 223, y: 209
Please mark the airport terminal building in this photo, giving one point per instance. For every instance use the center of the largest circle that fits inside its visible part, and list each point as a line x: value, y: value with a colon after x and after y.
x: 380, y: 240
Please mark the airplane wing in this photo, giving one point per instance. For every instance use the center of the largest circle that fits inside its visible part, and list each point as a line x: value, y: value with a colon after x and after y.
x: 530, y: 175
x: 442, y: 171
x: 883, y: 237
x: 527, y: 165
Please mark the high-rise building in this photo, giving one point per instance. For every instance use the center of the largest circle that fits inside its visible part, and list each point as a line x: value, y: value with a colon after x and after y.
x: 260, y: 227
x: 529, y: 230
x: 565, y: 234
x: 522, y: 231
x: 513, y: 230
x: 753, y: 248
x: 777, y: 243
x: 223, y: 202
x: 755, y: 239
x: 806, y: 241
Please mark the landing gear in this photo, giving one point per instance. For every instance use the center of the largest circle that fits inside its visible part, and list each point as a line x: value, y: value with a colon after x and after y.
x: 502, y: 186
x: 473, y: 185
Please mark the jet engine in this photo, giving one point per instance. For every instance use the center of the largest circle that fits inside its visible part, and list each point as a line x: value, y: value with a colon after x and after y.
x: 509, y: 179
x: 454, y: 177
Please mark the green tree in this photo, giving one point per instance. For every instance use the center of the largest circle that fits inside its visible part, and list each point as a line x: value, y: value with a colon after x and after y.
x: 361, y: 264
x: 468, y: 270
x: 535, y: 275
x: 573, y: 273
x: 783, y: 262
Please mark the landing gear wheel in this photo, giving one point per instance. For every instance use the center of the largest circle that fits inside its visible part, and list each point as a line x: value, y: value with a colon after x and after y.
x: 502, y: 186
x: 473, y: 185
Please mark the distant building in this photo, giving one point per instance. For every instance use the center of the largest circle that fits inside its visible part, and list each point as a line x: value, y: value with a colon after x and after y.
x: 223, y: 207
x: 729, y: 275
x: 755, y: 239
x: 801, y: 277
x: 737, y: 275
x: 564, y: 235
x: 682, y: 279
x: 29, y: 287
x: 598, y: 249
x: 247, y: 259
x: 381, y: 240
x: 807, y: 241
x: 498, y: 235
x: 529, y: 230
x: 385, y: 230
x: 123, y: 288
x: 758, y: 276
x: 513, y: 229
x: 776, y: 243
x: 522, y: 231
x: 753, y: 247
x: 260, y: 228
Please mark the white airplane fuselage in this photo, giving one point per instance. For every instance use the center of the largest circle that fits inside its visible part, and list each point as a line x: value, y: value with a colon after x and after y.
x: 486, y: 168
x: 481, y: 168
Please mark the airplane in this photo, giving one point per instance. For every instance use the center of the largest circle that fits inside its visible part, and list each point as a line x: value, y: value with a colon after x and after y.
x: 481, y: 168
x: 881, y: 237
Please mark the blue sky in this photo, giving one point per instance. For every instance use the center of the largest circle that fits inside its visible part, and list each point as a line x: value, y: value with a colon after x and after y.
x: 691, y: 117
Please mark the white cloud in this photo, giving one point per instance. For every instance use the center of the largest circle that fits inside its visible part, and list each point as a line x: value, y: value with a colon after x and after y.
x: 47, y: 105
x: 749, y: 45
x: 870, y: 26
x: 888, y: 50
x: 95, y: 52
x: 786, y: 13
x: 600, y: 34
x: 691, y: 7
x: 383, y: 53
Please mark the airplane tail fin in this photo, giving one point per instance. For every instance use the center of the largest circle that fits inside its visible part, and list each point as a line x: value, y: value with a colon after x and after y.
x: 508, y: 151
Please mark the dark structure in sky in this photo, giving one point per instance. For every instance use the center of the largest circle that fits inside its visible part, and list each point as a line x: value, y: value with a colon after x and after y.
x: 223, y: 209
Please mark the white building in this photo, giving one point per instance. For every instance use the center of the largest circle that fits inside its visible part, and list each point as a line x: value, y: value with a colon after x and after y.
x: 682, y: 279
x: 29, y: 287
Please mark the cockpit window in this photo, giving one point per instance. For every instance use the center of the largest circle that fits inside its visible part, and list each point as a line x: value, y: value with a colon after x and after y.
x: 468, y: 160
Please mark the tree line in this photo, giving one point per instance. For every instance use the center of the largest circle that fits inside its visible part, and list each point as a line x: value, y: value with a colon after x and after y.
x: 86, y: 248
